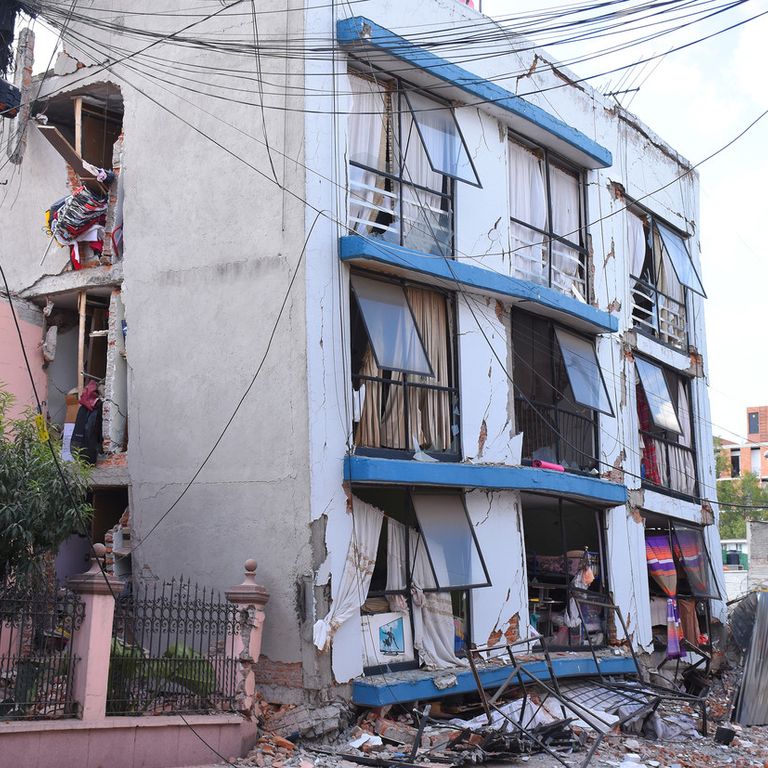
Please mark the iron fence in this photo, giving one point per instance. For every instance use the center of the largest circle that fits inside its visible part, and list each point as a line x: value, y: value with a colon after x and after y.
x: 171, y: 651
x: 36, y: 659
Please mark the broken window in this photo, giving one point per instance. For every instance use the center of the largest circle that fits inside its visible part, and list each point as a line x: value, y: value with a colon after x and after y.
x: 403, y: 367
x: 417, y: 604
x: 661, y: 269
x: 664, y: 417
x: 559, y: 389
x: 682, y: 582
x: 547, y: 218
x: 564, y: 556
x: 86, y: 364
x: 86, y: 131
x: 405, y: 153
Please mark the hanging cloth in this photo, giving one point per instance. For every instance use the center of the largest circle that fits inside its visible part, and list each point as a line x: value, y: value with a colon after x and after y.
x: 661, y: 566
x: 356, y: 578
x: 396, y: 562
x: 434, y: 633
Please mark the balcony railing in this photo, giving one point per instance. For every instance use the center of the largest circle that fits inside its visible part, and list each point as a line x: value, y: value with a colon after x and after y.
x: 564, y: 270
x: 400, y: 212
x: 658, y: 315
x: 554, y: 434
x: 667, y: 465
x: 397, y: 413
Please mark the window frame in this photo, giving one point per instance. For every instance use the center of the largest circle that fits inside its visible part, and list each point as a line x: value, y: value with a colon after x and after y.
x: 669, y: 437
x: 550, y: 158
x: 756, y: 416
x: 396, y: 87
x: 454, y: 389
x: 656, y: 223
x: 552, y: 378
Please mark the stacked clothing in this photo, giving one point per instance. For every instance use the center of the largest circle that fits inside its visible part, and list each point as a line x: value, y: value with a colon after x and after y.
x: 77, y: 219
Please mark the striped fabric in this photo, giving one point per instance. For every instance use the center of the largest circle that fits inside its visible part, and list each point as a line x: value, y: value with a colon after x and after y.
x: 661, y: 566
x: 689, y: 549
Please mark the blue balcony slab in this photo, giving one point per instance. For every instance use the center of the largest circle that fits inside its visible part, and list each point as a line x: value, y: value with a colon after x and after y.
x: 419, y: 685
x: 458, y: 275
x: 443, y: 474
x: 383, y: 48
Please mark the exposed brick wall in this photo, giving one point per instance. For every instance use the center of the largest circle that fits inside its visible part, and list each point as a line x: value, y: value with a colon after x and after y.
x: 278, y: 673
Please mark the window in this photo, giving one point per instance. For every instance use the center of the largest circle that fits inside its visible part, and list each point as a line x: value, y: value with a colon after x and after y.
x: 426, y: 561
x: 661, y: 270
x: 564, y: 553
x: 664, y: 415
x: 406, y: 152
x: 404, y: 374
x: 753, y: 420
x: 547, y: 214
x: 559, y: 389
x: 735, y: 462
x: 754, y: 461
x: 681, y: 579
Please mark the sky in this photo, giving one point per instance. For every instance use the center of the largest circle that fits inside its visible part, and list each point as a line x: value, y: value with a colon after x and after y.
x: 697, y: 100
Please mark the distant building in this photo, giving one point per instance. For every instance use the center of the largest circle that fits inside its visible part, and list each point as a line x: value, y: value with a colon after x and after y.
x: 750, y: 456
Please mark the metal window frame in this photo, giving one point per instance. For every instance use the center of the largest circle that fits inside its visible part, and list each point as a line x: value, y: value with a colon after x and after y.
x: 459, y: 133
x: 553, y: 348
x: 673, y: 524
x: 461, y: 496
x: 453, y: 368
x: 395, y: 86
x: 639, y: 379
x: 368, y: 332
x: 663, y: 228
x: 550, y: 158
x: 559, y: 329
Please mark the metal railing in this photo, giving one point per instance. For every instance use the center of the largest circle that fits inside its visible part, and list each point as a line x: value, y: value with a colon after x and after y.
x: 668, y: 465
x: 169, y: 651
x: 36, y: 659
x: 544, y: 259
x: 566, y: 436
x: 408, y: 411
x: 659, y: 315
x: 400, y: 212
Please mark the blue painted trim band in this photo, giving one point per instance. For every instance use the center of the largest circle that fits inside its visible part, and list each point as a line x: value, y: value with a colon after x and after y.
x: 361, y: 32
x: 369, y: 469
x: 478, y: 279
x: 379, y: 690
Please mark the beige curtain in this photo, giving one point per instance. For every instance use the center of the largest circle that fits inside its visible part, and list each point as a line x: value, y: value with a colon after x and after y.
x: 396, y: 564
x: 429, y: 411
x: 681, y: 464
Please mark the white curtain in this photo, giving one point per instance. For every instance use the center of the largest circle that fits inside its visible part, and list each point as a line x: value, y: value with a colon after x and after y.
x: 367, y: 145
x: 396, y: 564
x: 356, y: 578
x: 636, y: 235
x: 432, y: 613
x: 424, y: 225
x: 564, y: 188
x: 681, y: 464
x: 528, y: 203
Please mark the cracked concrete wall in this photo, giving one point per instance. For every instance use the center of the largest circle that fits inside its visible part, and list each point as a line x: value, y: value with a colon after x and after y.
x: 210, y: 248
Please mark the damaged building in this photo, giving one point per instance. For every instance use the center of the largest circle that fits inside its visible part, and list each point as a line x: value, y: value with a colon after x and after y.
x: 453, y: 307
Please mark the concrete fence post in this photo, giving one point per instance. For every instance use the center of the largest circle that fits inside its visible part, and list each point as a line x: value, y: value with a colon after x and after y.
x: 245, y: 646
x: 92, y: 642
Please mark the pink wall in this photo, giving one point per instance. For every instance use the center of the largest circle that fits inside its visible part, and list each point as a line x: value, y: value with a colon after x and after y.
x: 13, y: 373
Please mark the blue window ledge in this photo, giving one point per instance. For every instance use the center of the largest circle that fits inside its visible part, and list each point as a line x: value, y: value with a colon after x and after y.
x: 446, y: 273
x: 416, y: 685
x: 377, y: 471
x: 362, y: 36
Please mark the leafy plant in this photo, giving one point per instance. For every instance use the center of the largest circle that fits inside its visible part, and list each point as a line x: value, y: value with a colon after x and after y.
x: 190, y: 669
x: 41, y: 504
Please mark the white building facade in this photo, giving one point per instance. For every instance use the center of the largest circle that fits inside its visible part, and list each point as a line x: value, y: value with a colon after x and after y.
x: 487, y: 387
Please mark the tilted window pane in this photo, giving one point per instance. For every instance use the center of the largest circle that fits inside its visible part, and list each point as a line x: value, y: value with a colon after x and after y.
x: 450, y: 541
x: 390, y: 326
x: 584, y: 372
x: 681, y: 260
x: 691, y: 552
x: 657, y: 393
x: 442, y: 139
